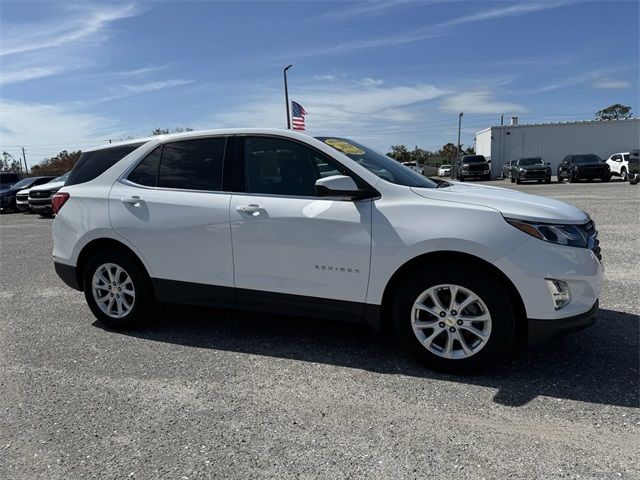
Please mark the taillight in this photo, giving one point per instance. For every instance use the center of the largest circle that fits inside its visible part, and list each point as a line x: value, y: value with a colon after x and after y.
x: 58, y: 201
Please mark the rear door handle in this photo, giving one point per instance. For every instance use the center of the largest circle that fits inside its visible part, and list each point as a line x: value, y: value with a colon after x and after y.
x: 134, y: 200
x: 252, y: 209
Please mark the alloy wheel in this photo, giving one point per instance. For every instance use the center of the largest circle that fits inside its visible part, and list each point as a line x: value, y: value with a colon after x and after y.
x: 113, y: 290
x: 451, y: 321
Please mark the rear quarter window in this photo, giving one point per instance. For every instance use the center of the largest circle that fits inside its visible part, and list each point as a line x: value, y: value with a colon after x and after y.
x: 93, y: 164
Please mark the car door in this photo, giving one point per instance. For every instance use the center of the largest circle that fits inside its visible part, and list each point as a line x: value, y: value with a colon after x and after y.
x: 173, y: 210
x: 614, y: 163
x: 290, y: 245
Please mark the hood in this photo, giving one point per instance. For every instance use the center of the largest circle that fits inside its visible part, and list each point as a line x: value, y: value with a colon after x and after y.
x: 535, y: 167
x: 24, y: 190
x: 48, y: 186
x: 510, y: 203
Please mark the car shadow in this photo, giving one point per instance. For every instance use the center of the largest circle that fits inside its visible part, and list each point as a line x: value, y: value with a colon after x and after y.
x: 598, y: 365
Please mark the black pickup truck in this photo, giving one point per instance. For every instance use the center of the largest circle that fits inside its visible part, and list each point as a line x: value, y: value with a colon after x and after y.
x: 471, y: 166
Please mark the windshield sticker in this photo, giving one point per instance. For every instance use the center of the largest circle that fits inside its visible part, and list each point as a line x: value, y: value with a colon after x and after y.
x: 344, y: 147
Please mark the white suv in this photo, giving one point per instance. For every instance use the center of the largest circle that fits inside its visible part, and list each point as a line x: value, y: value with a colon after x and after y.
x: 325, y: 227
x: 619, y: 165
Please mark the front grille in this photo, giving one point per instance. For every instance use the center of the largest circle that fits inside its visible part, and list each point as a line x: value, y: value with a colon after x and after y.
x: 478, y: 168
x: 590, y: 231
x: 39, y: 194
x: 22, y: 197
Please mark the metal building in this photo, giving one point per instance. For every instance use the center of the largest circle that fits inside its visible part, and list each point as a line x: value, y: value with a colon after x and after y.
x: 552, y: 141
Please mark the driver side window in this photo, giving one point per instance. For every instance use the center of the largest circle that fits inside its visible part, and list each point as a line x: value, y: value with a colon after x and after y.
x: 278, y: 166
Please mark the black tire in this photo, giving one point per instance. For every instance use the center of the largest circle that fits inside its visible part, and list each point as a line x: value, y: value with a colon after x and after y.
x: 624, y: 174
x: 572, y: 178
x: 518, y: 181
x: 511, y: 179
x: 487, y: 177
x: 461, y: 177
x: 606, y: 178
x: 144, y: 306
x: 490, y: 291
x: 547, y: 180
x: 560, y: 177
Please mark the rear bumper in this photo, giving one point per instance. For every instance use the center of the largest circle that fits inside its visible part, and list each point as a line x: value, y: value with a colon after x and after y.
x: 541, y: 331
x: 68, y: 274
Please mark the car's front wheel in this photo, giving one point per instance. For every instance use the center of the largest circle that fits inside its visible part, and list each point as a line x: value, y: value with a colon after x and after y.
x: 453, y: 318
x: 118, y: 290
x: 624, y: 174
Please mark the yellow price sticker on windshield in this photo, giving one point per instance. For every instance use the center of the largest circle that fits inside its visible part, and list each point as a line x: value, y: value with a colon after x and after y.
x: 344, y: 147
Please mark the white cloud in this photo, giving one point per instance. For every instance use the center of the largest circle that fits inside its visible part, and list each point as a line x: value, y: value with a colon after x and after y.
x: 479, y: 101
x: 611, y: 83
x: 432, y: 31
x: 47, y: 129
x: 65, y: 29
x: 370, y: 82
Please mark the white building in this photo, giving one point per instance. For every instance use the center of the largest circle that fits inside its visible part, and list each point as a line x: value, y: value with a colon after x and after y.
x: 552, y: 141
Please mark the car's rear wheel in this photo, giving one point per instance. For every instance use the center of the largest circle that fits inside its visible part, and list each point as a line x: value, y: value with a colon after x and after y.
x: 118, y: 290
x: 453, y: 318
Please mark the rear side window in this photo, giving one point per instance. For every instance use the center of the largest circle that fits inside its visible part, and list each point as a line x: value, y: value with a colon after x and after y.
x: 146, y: 173
x: 192, y: 164
x: 92, y: 164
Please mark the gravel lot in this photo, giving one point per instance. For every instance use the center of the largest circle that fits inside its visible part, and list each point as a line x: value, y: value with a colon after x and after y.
x: 223, y: 394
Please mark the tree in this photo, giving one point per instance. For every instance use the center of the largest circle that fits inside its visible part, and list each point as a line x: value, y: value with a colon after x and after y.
x: 469, y: 151
x: 61, y: 163
x: 616, y: 111
x: 9, y: 164
x: 399, y: 153
x: 449, y: 151
x: 165, y: 131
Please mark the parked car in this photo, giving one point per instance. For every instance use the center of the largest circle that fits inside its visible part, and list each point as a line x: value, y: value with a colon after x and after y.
x: 619, y: 165
x: 531, y: 168
x: 586, y: 166
x: 506, y: 168
x: 444, y: 171
x: 40, y: 196
x: 9, y: 197
x: 8, y: 179
x: 244, y: 218
x: 413, y: 166
x: 92, y: 163
x: 634, y: 167
x: 471, y: 166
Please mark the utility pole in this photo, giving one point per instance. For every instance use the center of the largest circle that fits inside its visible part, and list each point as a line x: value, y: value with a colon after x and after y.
x: 501, y: 119
x: 459, y: 128
x: 286, y: 97
x: 24, y: 157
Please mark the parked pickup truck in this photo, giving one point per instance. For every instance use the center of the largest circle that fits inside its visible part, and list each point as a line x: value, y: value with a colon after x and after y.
x: 469, y: 166
x: 619, y: 165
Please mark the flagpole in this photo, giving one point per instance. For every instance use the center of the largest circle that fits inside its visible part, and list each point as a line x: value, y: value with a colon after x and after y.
x: 286, y: 97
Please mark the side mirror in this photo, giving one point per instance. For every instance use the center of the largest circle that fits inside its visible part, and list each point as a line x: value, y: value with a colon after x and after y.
x: 340, y: 186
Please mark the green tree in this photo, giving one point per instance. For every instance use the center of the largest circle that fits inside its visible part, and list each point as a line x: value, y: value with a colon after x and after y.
x: 399, y: 153
x: 469, y: 150
x: 10, y: 164
x: 616, y: 111
x: 449, y: 151
x: 61, y: 163
x: 165, y: 131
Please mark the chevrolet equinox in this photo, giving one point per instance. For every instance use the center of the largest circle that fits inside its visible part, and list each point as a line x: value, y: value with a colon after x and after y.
x: 279, y: 221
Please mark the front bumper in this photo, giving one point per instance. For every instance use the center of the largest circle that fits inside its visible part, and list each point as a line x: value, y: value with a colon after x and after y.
x: 534, y: 175
x: 41, y: 205
x: 541, y: 331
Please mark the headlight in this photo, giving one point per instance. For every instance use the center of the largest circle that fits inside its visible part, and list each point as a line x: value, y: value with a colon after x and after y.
x: 521, y: 169
x: 568, y: 235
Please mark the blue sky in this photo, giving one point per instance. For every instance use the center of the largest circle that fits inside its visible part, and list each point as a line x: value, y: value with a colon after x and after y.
x: 382, y: 72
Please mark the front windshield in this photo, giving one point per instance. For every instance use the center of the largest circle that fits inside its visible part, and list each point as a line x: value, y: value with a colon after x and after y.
x: 61, y: 178
x: 474, y: 159
x: 586, y: 159
x: 23, y: 183
x: 379, y: 164
x: 445, y: 166
x: 530, y: 161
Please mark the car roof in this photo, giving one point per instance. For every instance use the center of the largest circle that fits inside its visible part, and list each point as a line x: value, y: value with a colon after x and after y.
x: 122, y: 143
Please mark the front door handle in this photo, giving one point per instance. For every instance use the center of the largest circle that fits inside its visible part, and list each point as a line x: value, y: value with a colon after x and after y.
x: 251, y: 209
x: 134, y: 200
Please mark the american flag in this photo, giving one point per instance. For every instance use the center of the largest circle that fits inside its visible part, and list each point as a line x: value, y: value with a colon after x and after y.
x: 297, y: 116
